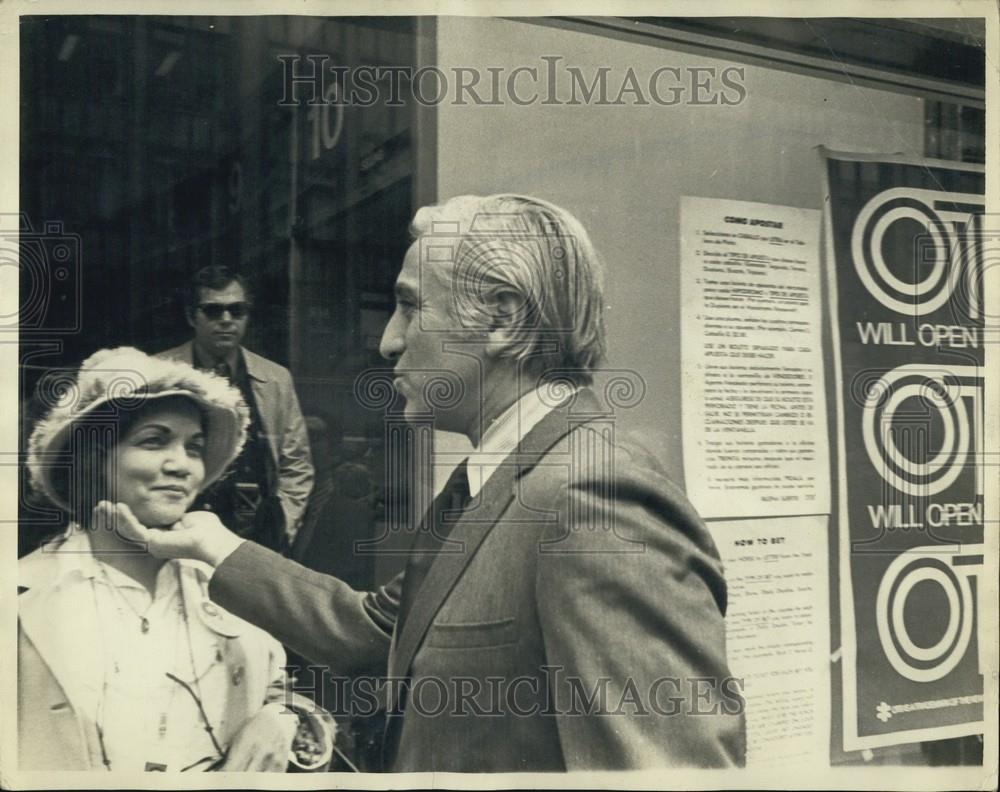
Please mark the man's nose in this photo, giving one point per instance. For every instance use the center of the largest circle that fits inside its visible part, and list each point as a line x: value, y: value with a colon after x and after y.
x: 392, y: 344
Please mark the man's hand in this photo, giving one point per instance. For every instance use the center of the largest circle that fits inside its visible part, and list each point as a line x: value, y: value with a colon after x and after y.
x: 264, y: 743
x: 198, y: 535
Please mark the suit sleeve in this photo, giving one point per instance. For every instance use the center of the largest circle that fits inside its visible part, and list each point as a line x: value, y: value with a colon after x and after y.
x: 319, y: 616
x: 295, y: 468
x: 631, y: 598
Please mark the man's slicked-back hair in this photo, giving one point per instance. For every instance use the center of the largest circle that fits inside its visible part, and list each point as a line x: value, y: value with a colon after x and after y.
x: 216, y: 277
x: 537, y: 252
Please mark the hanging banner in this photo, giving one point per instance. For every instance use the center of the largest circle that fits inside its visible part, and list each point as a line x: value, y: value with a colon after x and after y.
x: 904, y: 261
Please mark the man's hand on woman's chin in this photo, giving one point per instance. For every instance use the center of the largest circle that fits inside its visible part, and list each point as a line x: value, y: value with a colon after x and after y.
x: 199, y: 535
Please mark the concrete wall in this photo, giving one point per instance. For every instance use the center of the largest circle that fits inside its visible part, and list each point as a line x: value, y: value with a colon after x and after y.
x: 622, y: 169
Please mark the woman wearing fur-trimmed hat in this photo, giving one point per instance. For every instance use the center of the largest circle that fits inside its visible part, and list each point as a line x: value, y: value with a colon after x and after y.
x: 124, y: 663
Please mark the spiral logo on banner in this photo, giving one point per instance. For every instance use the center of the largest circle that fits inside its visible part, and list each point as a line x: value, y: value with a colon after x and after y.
x: 948, y: 566
x: 950, y: 394
x: 942, y: 247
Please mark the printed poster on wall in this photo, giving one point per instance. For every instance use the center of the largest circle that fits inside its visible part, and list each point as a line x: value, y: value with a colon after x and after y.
x: 778, y: 634
x: 755, y: 425
x: 904, y: 256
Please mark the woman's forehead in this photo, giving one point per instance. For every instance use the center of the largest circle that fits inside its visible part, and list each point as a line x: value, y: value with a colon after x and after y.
x: 175, y: 412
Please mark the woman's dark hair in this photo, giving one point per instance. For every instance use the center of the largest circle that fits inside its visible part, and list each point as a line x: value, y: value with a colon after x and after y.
x: 83, y: 479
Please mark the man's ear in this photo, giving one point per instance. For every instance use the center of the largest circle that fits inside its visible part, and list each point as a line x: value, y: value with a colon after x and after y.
x: 507, y: 312
x: 189, y: 309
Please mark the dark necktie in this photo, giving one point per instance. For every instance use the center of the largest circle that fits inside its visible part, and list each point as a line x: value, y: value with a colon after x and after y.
x: 222, y: 369
x: 444, y: 513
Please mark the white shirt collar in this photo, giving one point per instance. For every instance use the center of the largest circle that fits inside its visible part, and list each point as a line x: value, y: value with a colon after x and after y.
x: 72, y: 554
x: 503, y: 436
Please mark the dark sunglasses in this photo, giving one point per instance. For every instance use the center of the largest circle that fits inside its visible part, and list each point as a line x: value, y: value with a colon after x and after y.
x: 214, y: 311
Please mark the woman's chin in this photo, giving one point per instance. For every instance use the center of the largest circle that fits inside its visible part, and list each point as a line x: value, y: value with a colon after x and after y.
x: 162, y: 519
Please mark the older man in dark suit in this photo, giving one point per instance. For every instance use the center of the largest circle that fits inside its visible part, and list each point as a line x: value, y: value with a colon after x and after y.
x: 562, y: 607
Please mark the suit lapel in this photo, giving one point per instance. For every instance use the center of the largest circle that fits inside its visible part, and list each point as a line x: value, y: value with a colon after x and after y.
x: 475, y: 525
x: 184, y: 352
x: 456, y: 553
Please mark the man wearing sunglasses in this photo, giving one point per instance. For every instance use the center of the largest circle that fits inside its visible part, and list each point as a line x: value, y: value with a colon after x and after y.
x: 266, y: 494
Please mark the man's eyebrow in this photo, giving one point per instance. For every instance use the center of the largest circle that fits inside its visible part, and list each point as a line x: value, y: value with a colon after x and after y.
x: 405, y: 291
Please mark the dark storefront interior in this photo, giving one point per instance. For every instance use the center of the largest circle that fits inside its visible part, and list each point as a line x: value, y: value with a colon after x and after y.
x: 160, y: 146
